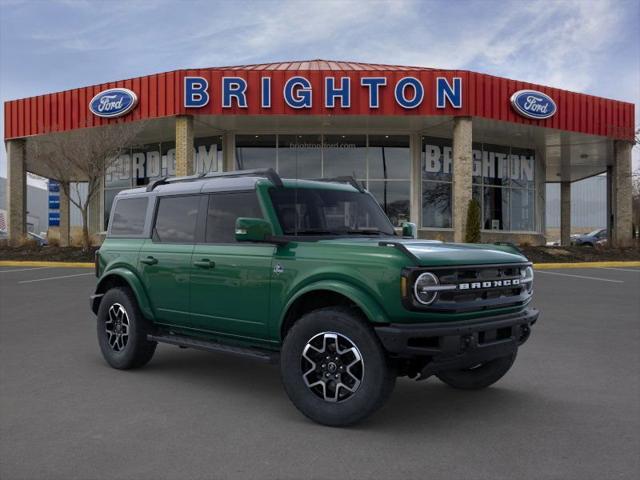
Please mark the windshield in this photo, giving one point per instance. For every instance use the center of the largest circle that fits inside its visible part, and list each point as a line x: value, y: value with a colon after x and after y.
x: 315, y: 211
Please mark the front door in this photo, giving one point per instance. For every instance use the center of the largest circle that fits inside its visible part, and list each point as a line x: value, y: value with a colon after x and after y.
x: 165, y: 259
x: 230, y: 281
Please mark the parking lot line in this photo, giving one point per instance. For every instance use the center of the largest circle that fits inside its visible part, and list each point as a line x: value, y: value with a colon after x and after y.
x: 580, y: 276
x: 621, y: 269
x: 55, y: 278
x: 23, y: 269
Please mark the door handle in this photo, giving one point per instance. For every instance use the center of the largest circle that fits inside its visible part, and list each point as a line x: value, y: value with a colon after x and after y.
x: 149, y: 260
x: 204, y: 263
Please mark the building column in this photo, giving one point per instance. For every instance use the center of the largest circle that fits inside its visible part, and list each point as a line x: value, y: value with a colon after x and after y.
x: 184, y: 146
x: 462, y: 174
x: 415, y: 147
x: 228, y: 152
x: 565, y: 213
x: 16, y: 191
x: 65, y: 216
x: 621, y: 186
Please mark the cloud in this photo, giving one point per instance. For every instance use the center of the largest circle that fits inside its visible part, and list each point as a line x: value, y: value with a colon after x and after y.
x: 583, y: 45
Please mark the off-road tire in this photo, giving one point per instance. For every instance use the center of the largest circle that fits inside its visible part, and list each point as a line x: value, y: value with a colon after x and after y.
x: 137, y: 350
x: 378, y: 377
x: 480, y: 376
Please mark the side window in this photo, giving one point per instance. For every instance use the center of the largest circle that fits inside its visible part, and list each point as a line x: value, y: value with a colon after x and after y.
x: 128, y: 216
x: 224, y: 209
x: 176, y: 219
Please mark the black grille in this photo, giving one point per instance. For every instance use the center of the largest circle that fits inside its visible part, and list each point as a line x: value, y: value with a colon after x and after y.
x: 483, y: 290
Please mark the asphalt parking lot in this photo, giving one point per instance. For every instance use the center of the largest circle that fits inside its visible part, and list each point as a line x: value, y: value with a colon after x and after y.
x: 570, y: 407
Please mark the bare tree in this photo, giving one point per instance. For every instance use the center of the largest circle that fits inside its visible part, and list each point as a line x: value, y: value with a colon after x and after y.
x: 82, y: 156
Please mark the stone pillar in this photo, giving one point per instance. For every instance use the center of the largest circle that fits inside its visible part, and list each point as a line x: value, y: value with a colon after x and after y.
x: 228, y: 152
x: 185, y: 164
x: 462, y: 174
x: 65, y: 216
x: 565, y: 213
x: 16, y: 191
x: 620, y: 234
x: 610, y: 199
x: 415, y: 144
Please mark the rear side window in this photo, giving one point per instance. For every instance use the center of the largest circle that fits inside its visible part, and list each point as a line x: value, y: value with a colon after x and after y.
x: 224, y: 209
x: 128, y: 216
x: 176, y: 219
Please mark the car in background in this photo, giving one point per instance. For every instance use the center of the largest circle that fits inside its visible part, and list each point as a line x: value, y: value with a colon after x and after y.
x: 39, y: 239
x: 591, y: 239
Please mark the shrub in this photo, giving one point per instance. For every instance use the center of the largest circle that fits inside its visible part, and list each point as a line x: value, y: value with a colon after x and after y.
x: 472, y: 235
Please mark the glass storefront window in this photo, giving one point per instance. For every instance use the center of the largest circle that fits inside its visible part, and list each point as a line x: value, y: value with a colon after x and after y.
x: 503, y: 183
x: 522, y: 210
x: 382, y: 163
x: 300, y: 156
x: 344, y: 155
x: 208, y: 154
x: 436, y: 204
x: 118, y: 173
x: 496, y: 209
x: 389, y: 157
x: 256, y: 151
x: 495, y: 165
x: 437, y: 173
x: 522, y: 166
x: 393, y: 197
x: 437, y: 162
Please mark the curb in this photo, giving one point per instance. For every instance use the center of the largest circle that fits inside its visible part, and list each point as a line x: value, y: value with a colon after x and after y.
x: 29, y: 263
x: 549, y: 266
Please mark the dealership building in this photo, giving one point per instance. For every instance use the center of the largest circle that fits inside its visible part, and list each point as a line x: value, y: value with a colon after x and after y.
x: 423, y: 141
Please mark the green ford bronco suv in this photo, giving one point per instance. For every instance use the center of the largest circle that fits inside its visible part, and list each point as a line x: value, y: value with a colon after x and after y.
x: 311, y: 275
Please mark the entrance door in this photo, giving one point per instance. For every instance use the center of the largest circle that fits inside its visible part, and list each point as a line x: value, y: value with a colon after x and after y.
x: 165, y: 259
x: 230, y: 282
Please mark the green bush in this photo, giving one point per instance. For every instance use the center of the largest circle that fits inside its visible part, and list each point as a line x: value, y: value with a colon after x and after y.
x: 472, y: 235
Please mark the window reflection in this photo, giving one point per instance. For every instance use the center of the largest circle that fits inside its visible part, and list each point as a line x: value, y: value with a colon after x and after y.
x: 344, y: 155
x: 393, y: 197
x: 255, y: 151
x: 300, y: 156
x: 436, y: 204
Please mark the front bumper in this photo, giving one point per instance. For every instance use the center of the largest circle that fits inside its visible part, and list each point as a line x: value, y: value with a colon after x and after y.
x: 454, y: 345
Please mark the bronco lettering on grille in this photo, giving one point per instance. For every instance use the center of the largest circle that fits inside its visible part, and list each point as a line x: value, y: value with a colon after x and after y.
x: 513, y: 282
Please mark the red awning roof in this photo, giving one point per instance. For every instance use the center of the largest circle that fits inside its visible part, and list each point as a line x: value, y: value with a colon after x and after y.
x: 161, y: 95
x: 320, y: 64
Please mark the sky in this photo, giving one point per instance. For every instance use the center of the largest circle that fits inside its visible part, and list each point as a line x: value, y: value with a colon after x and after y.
x: 589, y: 46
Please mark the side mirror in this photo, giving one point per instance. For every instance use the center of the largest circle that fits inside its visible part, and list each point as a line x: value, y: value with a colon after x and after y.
x: 409, y: 230
x: 252, y: 229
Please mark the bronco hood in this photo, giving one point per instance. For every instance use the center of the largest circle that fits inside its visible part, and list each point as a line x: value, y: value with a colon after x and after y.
x: 435, y: 253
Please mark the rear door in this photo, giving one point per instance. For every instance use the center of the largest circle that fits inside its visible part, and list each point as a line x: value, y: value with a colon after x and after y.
x: 165, y: 259
x: 230, y: 281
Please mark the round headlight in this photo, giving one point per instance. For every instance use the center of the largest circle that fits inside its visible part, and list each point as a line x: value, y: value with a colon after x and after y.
x: 423, y: 288
x: 527, y: 278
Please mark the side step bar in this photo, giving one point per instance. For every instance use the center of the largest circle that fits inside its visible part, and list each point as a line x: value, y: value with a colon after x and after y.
x: 209, y: 346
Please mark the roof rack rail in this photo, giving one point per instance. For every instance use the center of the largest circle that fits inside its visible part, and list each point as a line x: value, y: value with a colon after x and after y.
x: 343, y: 179
x: 268, y: 173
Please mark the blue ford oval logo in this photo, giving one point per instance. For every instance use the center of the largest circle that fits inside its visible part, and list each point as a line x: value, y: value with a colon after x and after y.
x: 533, y: 104
x: 114, y: 102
